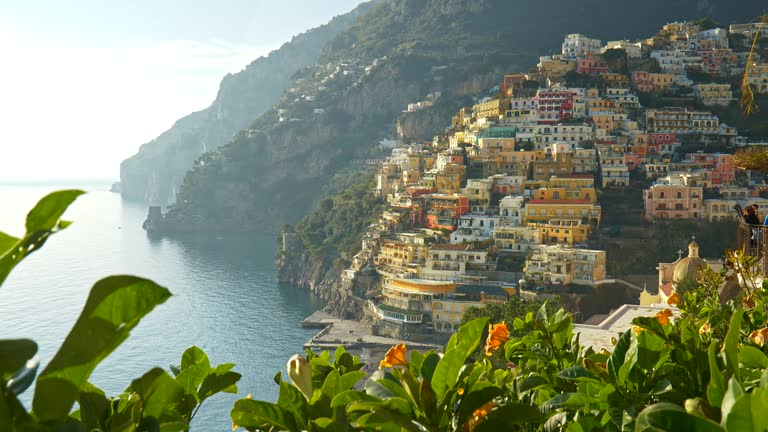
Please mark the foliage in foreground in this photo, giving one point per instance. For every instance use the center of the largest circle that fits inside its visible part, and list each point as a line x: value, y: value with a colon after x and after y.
x: 156, y: 401
x: 702, y: 368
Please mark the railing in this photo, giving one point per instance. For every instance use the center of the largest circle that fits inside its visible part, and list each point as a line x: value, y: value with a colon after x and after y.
x: 753, y: 239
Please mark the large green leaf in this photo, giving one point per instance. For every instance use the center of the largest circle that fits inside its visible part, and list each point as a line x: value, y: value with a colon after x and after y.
x: 114, y: 307
x: 716, y: 387
x: 752, y: 357
x: 293, y: 401
x: 667, y: 417
x: 345, y: 398
x: 448, y: 368
x: 14, y: 354
x: 617, y: 357
x: 46, y: 214
x: 731, y: 345
x: 220, y: 379
x: 7, y: 242
x: 253, y: 414
x: 94, y: 407
x: 158, y: 391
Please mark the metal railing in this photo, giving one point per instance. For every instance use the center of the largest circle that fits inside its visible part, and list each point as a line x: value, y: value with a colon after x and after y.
x: 753, y: 239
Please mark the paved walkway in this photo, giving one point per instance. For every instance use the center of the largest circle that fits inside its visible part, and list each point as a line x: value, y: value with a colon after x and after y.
x: 352, y: 334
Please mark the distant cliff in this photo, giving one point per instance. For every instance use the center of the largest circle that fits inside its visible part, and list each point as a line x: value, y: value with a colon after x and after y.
x: 157, y: 170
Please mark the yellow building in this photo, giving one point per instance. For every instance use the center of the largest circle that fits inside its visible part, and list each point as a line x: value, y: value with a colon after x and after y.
x: 544, y: 168
x: 542, y: 210
x: 494, y: 109
x: 555, y: 67
x: 450, y: 180
x: 558, y: 264
x: 401, y: 255
x: 661, y: 81
x: 562, y: 231
x: 516, y: 238
x: 713, y: 94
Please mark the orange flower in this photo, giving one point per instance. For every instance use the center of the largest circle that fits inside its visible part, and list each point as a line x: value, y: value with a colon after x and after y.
x: 478, y: 416
x: 497, y: 335
x: 673, y: 300
x: 705, y: 328
x: 394, y: 357
x: 748, y: 301
x: 759, y: 336
x: 604, y: 352
x: 663, y: 317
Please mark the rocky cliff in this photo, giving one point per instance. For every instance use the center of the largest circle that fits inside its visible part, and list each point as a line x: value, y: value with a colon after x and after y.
x: 344, y: 298
x: 155, y: 173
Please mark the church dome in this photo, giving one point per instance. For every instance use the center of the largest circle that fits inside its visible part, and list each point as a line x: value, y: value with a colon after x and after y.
x: 688, y: 267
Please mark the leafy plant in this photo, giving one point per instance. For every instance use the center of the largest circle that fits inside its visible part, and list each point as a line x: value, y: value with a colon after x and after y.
x: 702, y: 368
x: 156, y: 401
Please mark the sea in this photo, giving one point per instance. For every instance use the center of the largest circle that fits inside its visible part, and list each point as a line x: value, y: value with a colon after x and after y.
x: 226, y: 299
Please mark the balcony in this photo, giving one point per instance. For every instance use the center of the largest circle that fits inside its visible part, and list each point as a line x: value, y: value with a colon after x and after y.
x: 753, y: 239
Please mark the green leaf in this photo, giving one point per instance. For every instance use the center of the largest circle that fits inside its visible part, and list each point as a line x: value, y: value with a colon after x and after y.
x: 158, y: 391
x: 577, y: 373
x: 332, y: 384
x: 94, y: 407
x: 669, y: 417
x: 509, y: 416
x: 386, y: 421
x: 253, y: 414
x: 7, y: 242
x: 716, y: 387
x: 447, y: 370
x: 46, y: 214
x: 734, y: 392
x: 531, y: 383
x: 752, y: 357
x: 739, y: 417
x: 731, y: 345
x: 349, y: 379
x: 14, y: 354
x: 221, y: 379
x: 114, y: 307
x: 345, y: 398
x: 617, y: 356
x: 293, y: 401
x: 428, y: 366
x: 194, y: 356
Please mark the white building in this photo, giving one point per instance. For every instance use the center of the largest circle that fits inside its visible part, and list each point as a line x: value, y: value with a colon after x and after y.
x: 511, y: 210
x: 576, y: 46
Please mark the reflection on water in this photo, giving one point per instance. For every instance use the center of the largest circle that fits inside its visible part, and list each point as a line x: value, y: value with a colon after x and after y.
x: 225, y: 296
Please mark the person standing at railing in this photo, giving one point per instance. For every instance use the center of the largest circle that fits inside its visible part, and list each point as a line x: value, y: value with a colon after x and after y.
x: 751, y: 217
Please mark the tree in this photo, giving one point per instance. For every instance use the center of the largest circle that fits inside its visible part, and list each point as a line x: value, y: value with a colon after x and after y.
x: 515, y: 307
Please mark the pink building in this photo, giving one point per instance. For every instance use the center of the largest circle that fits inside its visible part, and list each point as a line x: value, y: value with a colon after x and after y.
x: 671, y: 198
x: 592, y: 65
x: 720, y: 165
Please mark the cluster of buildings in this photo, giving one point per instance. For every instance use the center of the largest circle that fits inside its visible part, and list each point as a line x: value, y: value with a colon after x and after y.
x: 507, y: 197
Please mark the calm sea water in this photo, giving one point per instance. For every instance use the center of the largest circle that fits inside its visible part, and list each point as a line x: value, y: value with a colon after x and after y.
x: 225, y: 296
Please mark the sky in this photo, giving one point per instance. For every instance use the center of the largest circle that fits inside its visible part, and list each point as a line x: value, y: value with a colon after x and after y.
x: 84, y: 83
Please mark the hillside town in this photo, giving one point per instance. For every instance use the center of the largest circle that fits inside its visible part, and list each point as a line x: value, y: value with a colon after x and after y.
x: 505, y: 201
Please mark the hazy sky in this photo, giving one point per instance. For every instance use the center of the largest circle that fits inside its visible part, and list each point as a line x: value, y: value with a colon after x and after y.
x: 84, y: 83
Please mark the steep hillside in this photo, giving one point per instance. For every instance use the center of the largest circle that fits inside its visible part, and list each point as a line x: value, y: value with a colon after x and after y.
x: 156, y: 171
x: 398, y: 53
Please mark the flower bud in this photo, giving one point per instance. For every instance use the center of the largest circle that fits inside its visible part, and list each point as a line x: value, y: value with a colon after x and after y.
x: 300, y: 373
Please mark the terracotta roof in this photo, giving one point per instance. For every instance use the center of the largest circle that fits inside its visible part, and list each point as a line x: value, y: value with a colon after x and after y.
x: 667, y: 289
x: 558, y: 201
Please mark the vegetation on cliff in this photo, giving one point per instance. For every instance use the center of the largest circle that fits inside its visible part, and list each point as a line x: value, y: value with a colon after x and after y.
x: 335, y: 228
